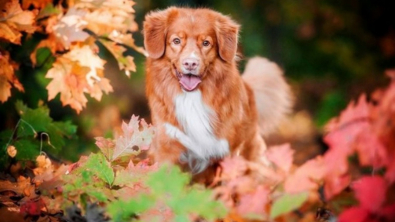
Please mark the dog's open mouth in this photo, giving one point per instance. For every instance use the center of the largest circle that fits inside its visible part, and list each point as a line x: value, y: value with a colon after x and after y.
x: 189, y: 82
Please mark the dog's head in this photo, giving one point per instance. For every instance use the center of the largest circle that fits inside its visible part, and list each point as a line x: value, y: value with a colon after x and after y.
x: 190, y: 40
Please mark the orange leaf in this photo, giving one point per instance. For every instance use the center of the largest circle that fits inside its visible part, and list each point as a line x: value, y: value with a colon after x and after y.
x: 14, y: 20
x: 7, y: 77
x: 75, y: 73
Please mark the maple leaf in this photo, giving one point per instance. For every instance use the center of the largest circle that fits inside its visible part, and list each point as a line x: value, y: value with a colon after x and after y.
x: 133, y: 140
x: 371, y: 151
x: 70, y: 27
x: 7, y: 76
x: 341, y: 138
x: 75, y: 73
x: 306, y: 176
x: 68, y: 79
x: 370, y: 199
x: 13, y: 20
x: 334, y: 184
x: 254, y: 203
x: 281, y: 156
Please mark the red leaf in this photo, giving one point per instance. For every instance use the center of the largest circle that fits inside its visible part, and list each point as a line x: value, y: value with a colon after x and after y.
x: 303, y: 178
x: 281, y: 156
x: 388, y: 212
x: 354, y: 214
x: 32, y: 207
x: 371, y: 151
x: 335, y: 184
x: 254, y: 203
x: 370, y: 192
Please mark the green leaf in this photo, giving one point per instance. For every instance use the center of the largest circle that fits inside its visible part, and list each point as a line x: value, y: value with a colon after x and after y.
x: 38, y: 118
x: 48, y: 10
x: 125, y: 210
x: 98, y: 164
x: 27, y: 149
x: 168, y: 179
x: 286, y: 203
x: 38, y: 121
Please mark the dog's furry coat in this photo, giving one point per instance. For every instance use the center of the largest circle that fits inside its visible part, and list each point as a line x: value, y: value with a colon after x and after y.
x: 203, y: 108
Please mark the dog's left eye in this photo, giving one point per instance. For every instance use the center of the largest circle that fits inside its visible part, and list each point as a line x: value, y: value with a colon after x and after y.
x: 206, y: 43
x: 176, y: 41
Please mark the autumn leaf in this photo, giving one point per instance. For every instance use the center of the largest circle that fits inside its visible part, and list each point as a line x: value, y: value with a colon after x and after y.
x: 12, y: 151
x: 281, y: 156
x: 253, y: 204
x: 133, y: 140
x: 70, y: 27
x: 68, y: 79
x: 75, y: 73
x: 370, y: 199
x: 306, y: 177
x: 106, y: 146
x: 7, y: 76
x: 13, y: 21
x: 124, y: 62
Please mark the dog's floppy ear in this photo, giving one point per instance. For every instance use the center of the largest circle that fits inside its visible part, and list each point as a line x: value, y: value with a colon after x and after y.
x: 227, y: 34
x: 155, y: 28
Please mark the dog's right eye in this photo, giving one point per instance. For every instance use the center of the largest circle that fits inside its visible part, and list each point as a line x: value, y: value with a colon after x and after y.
x: 176, y: 41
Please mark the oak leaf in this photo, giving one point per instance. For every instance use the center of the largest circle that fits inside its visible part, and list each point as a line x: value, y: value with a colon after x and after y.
x: 133, y: 140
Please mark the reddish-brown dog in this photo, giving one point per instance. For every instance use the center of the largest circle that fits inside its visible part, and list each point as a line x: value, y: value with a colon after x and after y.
x: 203, y: 108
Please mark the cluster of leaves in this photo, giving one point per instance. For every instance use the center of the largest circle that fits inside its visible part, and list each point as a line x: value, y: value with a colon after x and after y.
x: 361, y: 157
x: 34, y: 133
x: 128, y: 187
x: 73, y: 30
x: 116, y: 178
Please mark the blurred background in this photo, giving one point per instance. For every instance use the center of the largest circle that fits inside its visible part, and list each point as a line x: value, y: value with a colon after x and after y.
x: 331, y: 52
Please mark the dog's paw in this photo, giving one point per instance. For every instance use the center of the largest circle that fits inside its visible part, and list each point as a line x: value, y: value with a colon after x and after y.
x: 171, y: 130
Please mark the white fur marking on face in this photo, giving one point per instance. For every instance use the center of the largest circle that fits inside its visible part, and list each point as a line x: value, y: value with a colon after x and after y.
x: 193, y: 55
x: 198, y: 137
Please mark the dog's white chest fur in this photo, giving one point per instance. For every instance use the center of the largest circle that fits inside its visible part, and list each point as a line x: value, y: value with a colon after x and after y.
x: 198, y: 137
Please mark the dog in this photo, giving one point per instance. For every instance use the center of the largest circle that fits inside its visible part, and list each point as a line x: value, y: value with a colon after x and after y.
x: 203, y: 108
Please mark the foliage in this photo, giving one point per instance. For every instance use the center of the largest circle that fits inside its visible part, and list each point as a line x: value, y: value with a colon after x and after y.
x: 73, y: 35
x: 35, y: 132
x: 125, y: 187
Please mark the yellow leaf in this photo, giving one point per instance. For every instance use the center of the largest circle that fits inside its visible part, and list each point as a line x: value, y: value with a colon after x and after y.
x: 77, y: 72
x: 11, y: 150
x: 14, y: 20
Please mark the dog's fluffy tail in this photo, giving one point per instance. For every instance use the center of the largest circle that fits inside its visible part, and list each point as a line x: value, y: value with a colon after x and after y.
x: 273, y: 96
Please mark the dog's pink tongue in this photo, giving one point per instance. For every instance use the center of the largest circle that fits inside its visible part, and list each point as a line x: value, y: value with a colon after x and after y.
x: 189, y: 82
